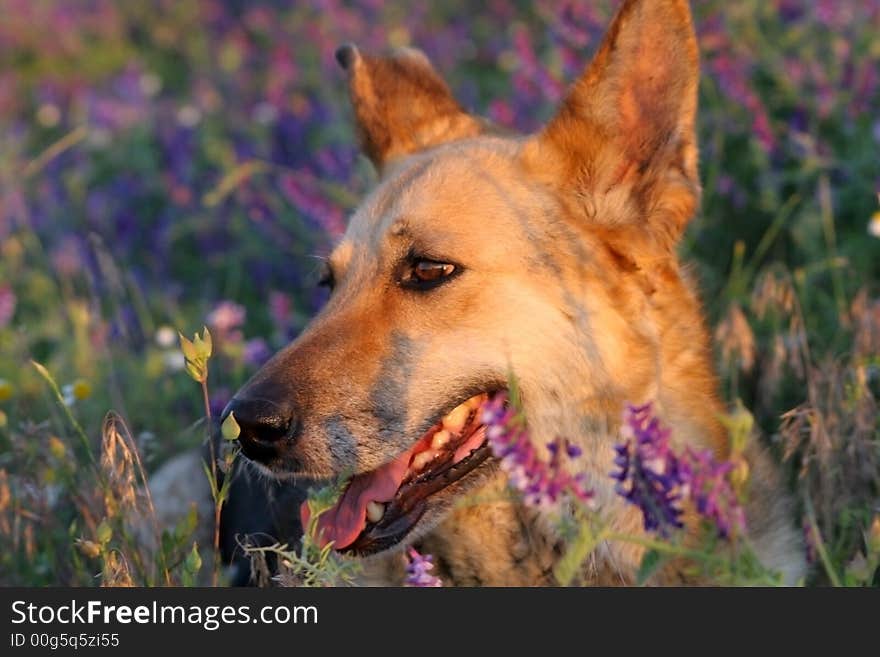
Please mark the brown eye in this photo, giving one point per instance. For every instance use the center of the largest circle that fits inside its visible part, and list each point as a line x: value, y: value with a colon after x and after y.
x: 428, y: 271
x: 424, y: 274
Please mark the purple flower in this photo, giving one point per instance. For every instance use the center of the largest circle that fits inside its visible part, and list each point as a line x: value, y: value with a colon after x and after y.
x: 649, y: 476
x: 7, y: 305
x: 707, y: 482
x: 226, y: 316
x: 655, y: 479
x: 218, y: 401
x: 67, y: 257
x: 280, y: 308
x: 304, y: 193
x: 225, y: 321
x: 256, y: 352
x: 418, y: 571
x: 543, y: 484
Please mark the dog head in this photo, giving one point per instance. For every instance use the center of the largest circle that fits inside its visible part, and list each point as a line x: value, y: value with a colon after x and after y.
x: 479, y: 254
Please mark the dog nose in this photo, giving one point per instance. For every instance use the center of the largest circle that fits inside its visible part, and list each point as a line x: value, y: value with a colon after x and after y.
x: 261, y: 422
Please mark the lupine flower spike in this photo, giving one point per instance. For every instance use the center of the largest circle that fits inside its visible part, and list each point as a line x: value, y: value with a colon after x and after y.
x: 418, y: 571
x: 707, y: 482
x: 652, y: 477
x: 649, y: 475
x: 542, y: 483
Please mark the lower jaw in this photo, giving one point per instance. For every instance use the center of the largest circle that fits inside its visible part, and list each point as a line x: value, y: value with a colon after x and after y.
x: 380, y: 508
x: 429, y: 498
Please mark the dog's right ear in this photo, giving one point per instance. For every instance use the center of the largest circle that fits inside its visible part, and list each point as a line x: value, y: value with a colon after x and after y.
x: 401, y: 104
x: 623, y: 144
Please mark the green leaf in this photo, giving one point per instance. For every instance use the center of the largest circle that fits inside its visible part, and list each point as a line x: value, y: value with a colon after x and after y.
x: 168, y: 542
x: 200, y: 347
x: 231, y: 180
x: 189, y: 524
x: 43, y: 372
x: 208, y: 343
x: 230, y: 429
x: 193, y: 561
x: 191, y: 566
x: 188, y: 348
x: 196, y: 372
x: 651, y: 563
x: 104, y: 532
x: 576, y: 553
x: 211, y: 480
x: 224, y: 489
x: 196, y: 352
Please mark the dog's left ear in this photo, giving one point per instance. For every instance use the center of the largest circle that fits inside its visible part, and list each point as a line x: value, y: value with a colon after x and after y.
x: 624, y: 137
x: 401, y: 104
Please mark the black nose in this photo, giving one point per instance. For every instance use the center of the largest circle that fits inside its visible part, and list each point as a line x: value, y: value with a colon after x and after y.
x: 262, y: 423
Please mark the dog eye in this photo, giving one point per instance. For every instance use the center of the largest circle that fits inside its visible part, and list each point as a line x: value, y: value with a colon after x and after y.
x: 327, y: 279
x: 428, y: 271
x: 425, y: 274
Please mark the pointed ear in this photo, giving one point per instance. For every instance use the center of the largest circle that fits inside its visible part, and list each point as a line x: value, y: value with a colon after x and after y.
x: 624, y: 137
x: 401, y: 104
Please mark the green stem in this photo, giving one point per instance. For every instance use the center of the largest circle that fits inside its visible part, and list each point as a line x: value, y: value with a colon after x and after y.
x: 662, y: 546
x: 827, y: 209
x: 769, y: 235
x: 820, y: 545
x: 218, y: 503
x: 41, y: 369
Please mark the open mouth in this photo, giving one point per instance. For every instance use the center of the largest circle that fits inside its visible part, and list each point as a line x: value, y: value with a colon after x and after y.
x: 379, y: 508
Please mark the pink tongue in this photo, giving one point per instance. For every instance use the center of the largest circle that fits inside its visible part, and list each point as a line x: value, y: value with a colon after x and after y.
x: 344, y: 522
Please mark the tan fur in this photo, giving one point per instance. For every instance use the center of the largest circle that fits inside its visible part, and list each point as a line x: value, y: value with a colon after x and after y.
x: 569, y: 277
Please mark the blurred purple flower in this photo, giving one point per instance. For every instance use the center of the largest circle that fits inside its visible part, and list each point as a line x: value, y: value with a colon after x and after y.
x: 280, y: 309
x: 226, y: 317
x: 578, y: 23
x: 418, y: 571
x: 833, y: 13
x: 256, y: 352
x: 729, y: 188
x: 707, y: 483
x: 732, y: 69
x: 532, y: 71
x: 762, y: 130
x: 864, y: 85
x: 543, y: 484
x: 67, y: 257
x: 502, y: 113
x: 649, y: 476
x: 218, y: 400
x: 120, y: 104
x: 790, y: 10
x: 302, y: 190
x: 7, y: 305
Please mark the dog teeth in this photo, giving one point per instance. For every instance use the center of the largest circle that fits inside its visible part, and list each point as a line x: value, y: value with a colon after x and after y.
x: 440, y: 439
x: 456, y: 418
x: 422, y: 459
x: 375, y: 511
x: 475, y: 402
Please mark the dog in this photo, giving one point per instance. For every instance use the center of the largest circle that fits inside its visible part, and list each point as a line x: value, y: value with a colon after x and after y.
x: 480, y: 253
